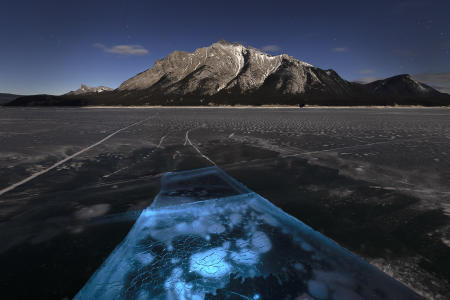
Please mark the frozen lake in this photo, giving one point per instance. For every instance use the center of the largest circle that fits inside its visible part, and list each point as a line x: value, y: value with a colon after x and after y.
x: 73, y: 181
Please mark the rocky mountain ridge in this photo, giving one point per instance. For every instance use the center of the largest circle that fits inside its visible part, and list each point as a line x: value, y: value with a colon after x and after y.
x: 84, y: 89
x: 229, y: 74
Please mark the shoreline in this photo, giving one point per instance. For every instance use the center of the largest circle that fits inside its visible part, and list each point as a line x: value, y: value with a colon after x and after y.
x: 264, y: 107
x: 240, y: 107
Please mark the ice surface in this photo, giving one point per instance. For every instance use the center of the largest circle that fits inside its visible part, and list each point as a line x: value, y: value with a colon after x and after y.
x: 210, y: 263
x: 317, y: 289
x: 207, y: 236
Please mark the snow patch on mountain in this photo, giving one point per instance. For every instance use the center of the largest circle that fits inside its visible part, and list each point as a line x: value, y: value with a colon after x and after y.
x: 84, y: 89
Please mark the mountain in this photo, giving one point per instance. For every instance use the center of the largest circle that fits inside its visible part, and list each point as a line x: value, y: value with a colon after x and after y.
x: 401, y: 86
x: 226, y: 70
x: 5, y: 98
x: 230, y: 74
x: 84, y: 89
x: 222, y: 66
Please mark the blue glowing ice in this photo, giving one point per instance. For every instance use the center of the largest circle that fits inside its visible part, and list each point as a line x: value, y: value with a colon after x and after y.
x: 210, y: 263
x: 207, y: 236
x: 317, y: 289
x: 245, y: 256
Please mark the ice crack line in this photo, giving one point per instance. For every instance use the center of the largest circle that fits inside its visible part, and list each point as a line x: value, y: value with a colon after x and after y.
x: 161, y: 140
x: 17, y: 184
x: 124, y: 168
x: 115, y: 172
x: 188, y: 141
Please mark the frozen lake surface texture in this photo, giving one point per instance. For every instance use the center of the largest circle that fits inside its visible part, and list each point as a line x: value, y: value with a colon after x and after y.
x: 75, y: 183
x: 235, y: 245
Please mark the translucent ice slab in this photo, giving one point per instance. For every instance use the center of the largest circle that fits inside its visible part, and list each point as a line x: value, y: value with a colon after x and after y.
x: 206, y: 236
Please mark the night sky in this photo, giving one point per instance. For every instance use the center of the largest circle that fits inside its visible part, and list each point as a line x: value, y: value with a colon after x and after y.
x: 54, y: 46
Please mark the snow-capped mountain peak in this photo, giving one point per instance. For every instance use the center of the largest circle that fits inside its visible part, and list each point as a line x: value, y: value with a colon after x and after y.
x: 222, y: 66
x: 84, y: 89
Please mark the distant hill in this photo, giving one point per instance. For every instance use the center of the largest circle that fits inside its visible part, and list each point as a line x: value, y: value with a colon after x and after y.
x: 231, y: 74
x: 5, y: 98
x: 84, y: 90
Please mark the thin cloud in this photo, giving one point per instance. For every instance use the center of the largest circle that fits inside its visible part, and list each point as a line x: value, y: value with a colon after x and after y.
x: 123, y: 49
x: 439, y: 81
x: 366, y: 71
x: 271, y: 48
x: 340, y: 49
